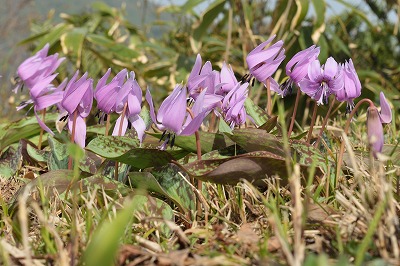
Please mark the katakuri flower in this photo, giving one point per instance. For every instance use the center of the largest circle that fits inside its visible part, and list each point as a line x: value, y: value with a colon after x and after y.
x: 321, y: 82
x: 43, y: 95
x: 297, y: 68
x: 233, y: 109
x: 129, y: 105
x: 375, y: 119
x: 263, y: 62
x: 202, y: 78
x: 352, y: 86
x: 37, y: 67
x: 172, y: 114
x: 228, y: 79
x: 106, y: 94
x: 77, y: 103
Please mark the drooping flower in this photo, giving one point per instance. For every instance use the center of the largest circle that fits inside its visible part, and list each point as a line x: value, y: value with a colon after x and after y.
x: 352, y: 86
x: 172, y: 114
x: 297, y: 68
x: 321, y: 82
x: 77, y: 103
x: 129, y: 105
x: 233, y: 105
x: 43, y: 95
x: 106, y: 94
x: 202, y: 78
x: 37, y: 67
x: 375, y: 119
x: 228, y: 79
x: 263, y: 62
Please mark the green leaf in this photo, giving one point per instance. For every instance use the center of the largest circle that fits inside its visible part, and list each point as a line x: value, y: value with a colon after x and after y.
x: 104, y: 244
x: 72, y: 43
x: 10, y: 161
x: 143, y: 158
x: 22, y: 129
x: 301, y: 12
x: 253, y: 167
x: 209, y: 141
x: 120, y: 50
x: 168, y: 182
x: 58, y: 158
x: 259, y: 116
x: 112, y: 146
x: 253, y: 139
x: 207, y: 18
x: 53, y: 36
x: 224, y: 128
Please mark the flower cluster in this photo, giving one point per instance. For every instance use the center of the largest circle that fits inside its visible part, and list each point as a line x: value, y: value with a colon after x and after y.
x: 206, y: 91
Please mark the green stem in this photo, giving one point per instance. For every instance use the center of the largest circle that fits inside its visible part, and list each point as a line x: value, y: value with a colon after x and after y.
x: 41, y: 129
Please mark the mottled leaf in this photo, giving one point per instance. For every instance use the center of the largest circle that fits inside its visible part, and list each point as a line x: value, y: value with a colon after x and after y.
x: 168, y: 182
x: 22, y: 129
x: 10, y: 161
x: 112, y: 146
x: 258, y: 115
x: 209, y: 141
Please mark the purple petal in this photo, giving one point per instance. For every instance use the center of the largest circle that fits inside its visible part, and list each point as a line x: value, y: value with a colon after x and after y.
x: 118, y: 127
x: 374, y: 130
x: 196, y: 68
x: 175, y: 112
x: 42, y: 124
x: 262, y: 45
x: 80, y: 130
x: 193, y: 126
x: 386, y: 111
x: 139, y: 125
x: 330, y: 68
x: 45, y: 101
x: 102, y: 81
x: 149, y: 100
x: 314, y: 71
x: 309, y: 87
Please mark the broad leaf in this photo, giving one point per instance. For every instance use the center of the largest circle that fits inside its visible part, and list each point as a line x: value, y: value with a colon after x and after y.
x: 22, y: 129
x: 166, y: 181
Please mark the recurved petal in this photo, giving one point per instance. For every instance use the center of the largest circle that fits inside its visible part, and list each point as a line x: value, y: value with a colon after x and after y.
x: 375, y: 130
x: 386, y: 111
x: 196, y: 68
x: 139, y: 125
x: 42, y: 124
x: 120, y: 130
x: 330, y: 68
x: 193, y: 126
x: 314, y: 71
x: 175, y: 112
x: 102, y: 81
x: 149, y: 100
x: 80, y: 129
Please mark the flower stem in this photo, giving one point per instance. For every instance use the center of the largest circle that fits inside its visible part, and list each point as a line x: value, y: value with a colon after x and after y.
x: 269, y: 99
x: 198, y: 147
x: 324, y: 123
x: 314, y: 116
x: 41, y: 130
x: 108, y: 120
x: 72, y: 137
x: 121, y: 123
x: 296, y: 103
x: 346, y: 131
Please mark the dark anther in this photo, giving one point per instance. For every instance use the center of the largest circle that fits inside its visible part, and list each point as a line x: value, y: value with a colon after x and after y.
x: 64, y: 118
x: 252, y: 82
x: 172, y: 140
x: 129, y: 125
x: 162, y: 136
x: 189, y: 101
x: 105, y: 117
x: 22, y: 103
x: 97, y: 114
